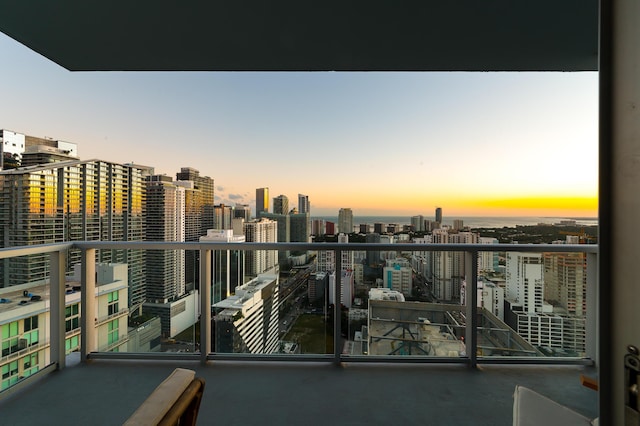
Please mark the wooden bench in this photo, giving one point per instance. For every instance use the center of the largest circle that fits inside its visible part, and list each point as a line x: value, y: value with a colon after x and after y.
x: 175, y: 401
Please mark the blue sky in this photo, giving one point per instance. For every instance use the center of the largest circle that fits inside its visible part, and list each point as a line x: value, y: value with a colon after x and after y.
x: 380, y: 143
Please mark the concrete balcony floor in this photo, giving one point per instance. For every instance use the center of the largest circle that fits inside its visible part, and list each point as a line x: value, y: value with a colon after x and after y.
x: 107, y: 392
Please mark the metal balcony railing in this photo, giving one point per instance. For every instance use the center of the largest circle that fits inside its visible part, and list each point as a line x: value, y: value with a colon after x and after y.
x: 471, y: 328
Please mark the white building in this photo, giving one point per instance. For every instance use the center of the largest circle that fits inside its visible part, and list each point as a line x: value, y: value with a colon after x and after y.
x: 260, y: 261
x: 227, y: 266
x: 397, y: 275
x: 247, y: 322
x: 525, y: 282
x: 489, y: 296
x: 346, y: 288
x: 487, y: 260
x: 25, y: 321
x: 385, y: 294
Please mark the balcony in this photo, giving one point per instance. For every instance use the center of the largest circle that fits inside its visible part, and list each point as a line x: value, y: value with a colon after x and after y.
x: 407, y: 379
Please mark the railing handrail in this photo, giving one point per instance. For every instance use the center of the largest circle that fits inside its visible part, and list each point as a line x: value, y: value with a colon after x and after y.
x: 173, y: 245
x: 7, y: 252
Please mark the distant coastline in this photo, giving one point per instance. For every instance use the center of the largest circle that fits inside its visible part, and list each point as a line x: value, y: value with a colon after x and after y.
x: 471, y: 221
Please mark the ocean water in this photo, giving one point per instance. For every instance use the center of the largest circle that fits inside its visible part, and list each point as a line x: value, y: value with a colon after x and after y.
x: 471, y: 221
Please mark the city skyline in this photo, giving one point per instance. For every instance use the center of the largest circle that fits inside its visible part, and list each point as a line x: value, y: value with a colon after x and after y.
x: 480, y: 144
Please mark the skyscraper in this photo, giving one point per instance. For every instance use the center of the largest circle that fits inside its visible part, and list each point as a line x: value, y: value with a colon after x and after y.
x: 77, y: 201
x: 281, y: 205
x: 199, y: 216
x: 222, y: 217
x: 206, y: 187
x: 439, y: 214
x: 243, y: 211
x: 227, y: 266
x: 260, y: 231
x: 165, y: 222
x: 303, y: 204
x: 299, y: 224
x: 262, y: 201
x: 345, y: 221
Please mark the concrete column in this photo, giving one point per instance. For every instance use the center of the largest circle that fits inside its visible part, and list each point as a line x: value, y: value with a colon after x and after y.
x: 471, y: 300
x: 205, y: 305
x: 337, y: 311
x: 619, y: 294
x: 57, y: 298
x: 88, y: 313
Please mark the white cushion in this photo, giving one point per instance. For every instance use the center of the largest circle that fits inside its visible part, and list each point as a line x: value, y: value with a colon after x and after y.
x: 532, y: 409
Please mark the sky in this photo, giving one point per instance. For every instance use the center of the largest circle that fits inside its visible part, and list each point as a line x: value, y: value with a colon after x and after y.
x: 475, y: 144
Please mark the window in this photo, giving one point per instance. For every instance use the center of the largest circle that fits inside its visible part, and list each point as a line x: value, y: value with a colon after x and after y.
x: 10, y: 338
x: 31, y: 323
x: 72, y: 315
x: 112, y: 302
x: 9, y: 374
x: 72, y: 344
x: 112, y: 331
x: 30, y: 364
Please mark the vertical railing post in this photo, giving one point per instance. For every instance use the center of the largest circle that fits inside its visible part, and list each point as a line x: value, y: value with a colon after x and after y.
x: 205, y: 304
x: 57, y: 262
x: 337, y: 310
x: 471, y: 300
x: 88, y: 304
x: 591, y: 332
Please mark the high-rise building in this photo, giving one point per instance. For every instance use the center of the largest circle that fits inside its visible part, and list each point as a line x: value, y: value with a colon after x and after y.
x: 439, y: 214
x: 260, y: 261
x: 24, y: 150
x: 379, y: 228
x: 281, y: 205
x: 227, y: 271
x: 447, y: 268
x: 205, y: 185
x: 223, y: 216
x: 242, y: 211
x: 346, y: 288
x: 397, y: 275
x: 12, y: 145
x: 77, y: 201
x: 318, y: 227
x: 299, y: 223
x: 165, y: 222
x: 565, y: 281
x: 317, y: 288
x: 525, y: 281
x: 364, y: 228
x: 417, y: 222
x: 262, y: 201
x: 345, y: 221
x: 247, y: 322
x: 330, y: 228
x: 487, y: 260
x: 303, y: 204
x: 199, y: 216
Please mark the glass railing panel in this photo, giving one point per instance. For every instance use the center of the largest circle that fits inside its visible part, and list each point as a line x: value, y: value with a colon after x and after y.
x: 534, y: 305
x: 276, y: 306
x: 390, y: 307
x: 141, y: 303
x: 25, y: 328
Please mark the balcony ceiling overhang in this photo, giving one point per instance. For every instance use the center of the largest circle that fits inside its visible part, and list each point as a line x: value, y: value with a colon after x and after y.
x: 307, y: 35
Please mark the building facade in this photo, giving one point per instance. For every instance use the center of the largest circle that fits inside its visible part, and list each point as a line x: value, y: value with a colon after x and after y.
x: 260, y: 261
x: 247, y: 322
x: 345, y: 221
x: 262, y: 201
x: 73, y: 201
